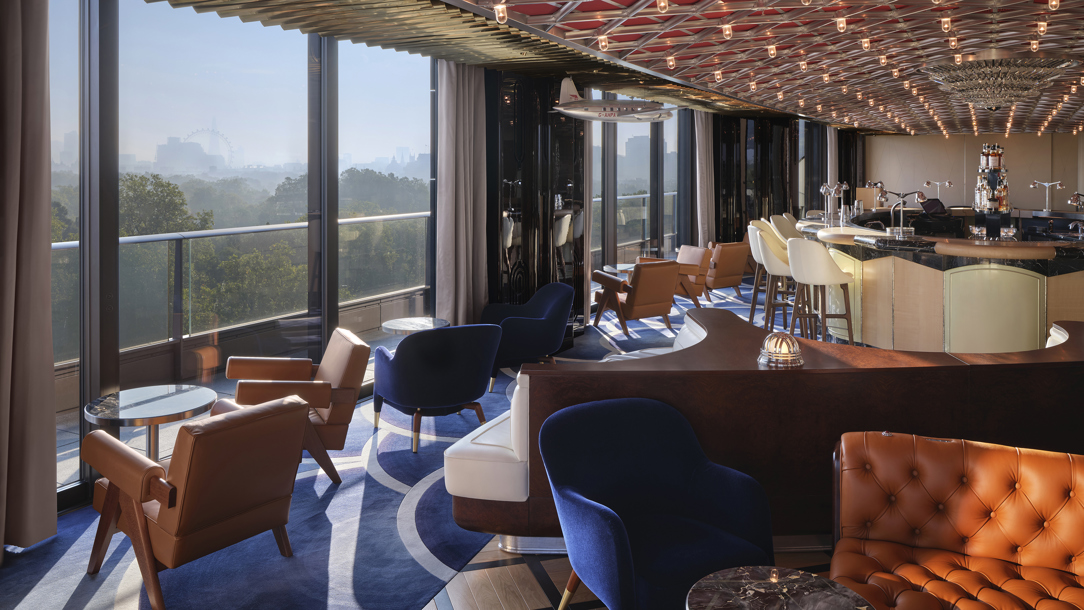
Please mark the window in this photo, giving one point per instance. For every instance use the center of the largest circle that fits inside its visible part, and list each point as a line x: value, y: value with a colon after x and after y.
x: 670, y: 241
x: 634, y: 226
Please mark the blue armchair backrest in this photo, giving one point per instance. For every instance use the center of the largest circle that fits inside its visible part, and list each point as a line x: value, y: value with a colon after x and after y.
x: 552, y: 302
x: 441, y: 367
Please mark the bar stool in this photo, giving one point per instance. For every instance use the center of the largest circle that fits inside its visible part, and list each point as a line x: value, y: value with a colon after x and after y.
x: 785, y: 228
x: 759, y: 277
x: 778, y: 272
x: 813, y: 267
x: 791, y: 218
x: 771, y: 236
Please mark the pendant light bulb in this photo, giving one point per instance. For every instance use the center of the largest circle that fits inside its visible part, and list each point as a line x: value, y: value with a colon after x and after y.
x: 753, y: 85
x: 833, y: 114
x: 662, y: 5
x: 603, y: 43
x: 801, y: 103
x: 779, y: 96
x: 946, y: 24
x: 819, y: 106
x: 871, y: 102
x: 959, y: 59
x: 1072, y: 89
x: 501, y: 12
x: 953, y: 42
x: 806, y: 2
x: 859, y: 94
x: 1034, y: 45
x: 718, y: 76
x: 803, y: 65
x: 883, y: 59
x: 771, y: 50
x: 1041, y: 26
x: 828, y: 78
x: 906, y: 84
x: 865, y: 44
x: 728, y: 32
x: 841, y: 24
x: 844, y: 89
x: 1054, y: 4
x: 914, y: 90
x: 895, y: 72
x: 671, y: 62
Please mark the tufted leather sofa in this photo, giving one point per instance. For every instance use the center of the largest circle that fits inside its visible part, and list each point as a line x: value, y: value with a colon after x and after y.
x: 953, y: 524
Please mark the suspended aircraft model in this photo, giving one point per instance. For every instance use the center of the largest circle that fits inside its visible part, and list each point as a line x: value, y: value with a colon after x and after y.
x: 612, y: 111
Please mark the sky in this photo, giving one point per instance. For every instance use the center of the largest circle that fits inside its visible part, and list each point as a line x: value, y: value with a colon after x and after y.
x: 180, y: 71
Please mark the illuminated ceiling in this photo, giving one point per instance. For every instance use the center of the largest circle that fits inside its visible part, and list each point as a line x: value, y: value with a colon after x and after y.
x: 564, y: 36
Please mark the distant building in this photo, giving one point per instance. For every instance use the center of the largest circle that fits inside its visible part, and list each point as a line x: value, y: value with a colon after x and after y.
x: 126, y: 162
x: 402, y: 154
x: 70, y: 154
x: 177, y: 157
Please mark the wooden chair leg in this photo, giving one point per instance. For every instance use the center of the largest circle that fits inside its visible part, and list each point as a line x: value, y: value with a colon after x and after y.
x: 283, y: 540
x: 824, y: 312
x: 707, y: 294
x: 601, y: 306
x: 132, y: 513
x: 847, y: 310
x: 417, y: 428
x: 756, y: 292
x: 794, y: 312
x: 621, y: 319
x: 666, y: 319
x: 570, y: 590
x: 769, y: 304
x: 107, y: 526
x: 316, y: 450
x: 477, y: 410
x: 737, y: 290
x: 695, y: 301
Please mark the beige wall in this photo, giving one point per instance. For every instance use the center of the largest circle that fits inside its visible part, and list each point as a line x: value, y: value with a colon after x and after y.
x: 904, y: 163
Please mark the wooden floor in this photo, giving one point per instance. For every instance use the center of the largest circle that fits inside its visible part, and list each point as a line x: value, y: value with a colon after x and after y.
x: 496, y: 580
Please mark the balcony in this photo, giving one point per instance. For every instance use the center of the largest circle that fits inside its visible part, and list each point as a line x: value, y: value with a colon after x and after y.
x: 634, y: 228
x: 190, y: 300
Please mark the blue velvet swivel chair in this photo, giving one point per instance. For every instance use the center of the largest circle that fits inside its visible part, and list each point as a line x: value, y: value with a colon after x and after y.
x: 644, y: 513
x: 436, y: 372
x: 532, y: 331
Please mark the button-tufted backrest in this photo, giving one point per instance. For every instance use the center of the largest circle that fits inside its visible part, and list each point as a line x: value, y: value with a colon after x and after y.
x: 978, y: 499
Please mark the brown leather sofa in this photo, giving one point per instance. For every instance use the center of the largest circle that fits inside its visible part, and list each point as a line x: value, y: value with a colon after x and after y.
x: 649, y: 295
x: 231, y: 477
x: 728, y: 265
x: 331, y: 388
x: 953, y: 524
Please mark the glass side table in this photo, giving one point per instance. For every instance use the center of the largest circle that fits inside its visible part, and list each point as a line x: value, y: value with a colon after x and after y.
x: 409, y: 326
x: 150, y: 406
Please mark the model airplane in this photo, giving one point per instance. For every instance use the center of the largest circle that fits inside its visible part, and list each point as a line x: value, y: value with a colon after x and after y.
x: 614, y: 111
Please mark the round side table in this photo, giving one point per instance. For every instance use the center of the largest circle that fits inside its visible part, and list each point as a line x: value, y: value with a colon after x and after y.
x: 150, y: 406
x: 771, y: 588
x: 408, y: 326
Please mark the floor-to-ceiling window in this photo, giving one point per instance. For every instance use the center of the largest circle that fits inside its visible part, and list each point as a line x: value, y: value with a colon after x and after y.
x: 634, y: 221
x: 64, y: 149
x: 385, y: 185
x: 670, y: 241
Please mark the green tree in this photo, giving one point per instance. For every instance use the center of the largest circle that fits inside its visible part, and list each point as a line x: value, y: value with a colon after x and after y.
x: 364, y: 192
x: 150, y: 204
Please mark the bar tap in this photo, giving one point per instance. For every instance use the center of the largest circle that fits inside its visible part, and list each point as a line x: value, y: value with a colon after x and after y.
x: 947, y: 184
x: 1077, y: 201
x: 1036, y: 184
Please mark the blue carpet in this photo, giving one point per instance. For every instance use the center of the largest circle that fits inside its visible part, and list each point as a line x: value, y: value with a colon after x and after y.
x: 384, y: 539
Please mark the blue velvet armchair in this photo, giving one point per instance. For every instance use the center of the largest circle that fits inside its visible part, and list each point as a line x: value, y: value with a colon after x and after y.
x: 436, y: 372
x: 644, y: 513
x: 532, y: 331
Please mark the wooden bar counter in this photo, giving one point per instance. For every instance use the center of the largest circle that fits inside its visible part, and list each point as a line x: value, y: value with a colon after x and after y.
x: 780, y: 426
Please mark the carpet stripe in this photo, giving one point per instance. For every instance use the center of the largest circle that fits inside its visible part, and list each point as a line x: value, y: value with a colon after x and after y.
x: 408, y: 531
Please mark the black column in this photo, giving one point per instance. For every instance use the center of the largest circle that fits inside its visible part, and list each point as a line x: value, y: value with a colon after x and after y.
x: 323, y: 187
x: 683, y: 208
x: 609, y: 189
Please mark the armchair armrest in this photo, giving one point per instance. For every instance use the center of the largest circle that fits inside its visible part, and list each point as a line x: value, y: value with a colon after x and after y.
x: 735, y: 502
x: 686, y: 269
x: 134, y: 473
x: 603, y: 558
x: 609, y: 282
x: 316, y: 393
x: 282, y: 369
x: 648, y: 259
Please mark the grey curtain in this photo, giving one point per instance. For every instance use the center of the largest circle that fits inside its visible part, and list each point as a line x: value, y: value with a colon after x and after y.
x: 461, y: 290
x: 705, y: 177
x: 27, y: 414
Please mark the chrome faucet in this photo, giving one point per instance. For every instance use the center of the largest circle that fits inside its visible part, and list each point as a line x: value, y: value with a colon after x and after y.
x: 1079, y: 228
x: 902, y: 203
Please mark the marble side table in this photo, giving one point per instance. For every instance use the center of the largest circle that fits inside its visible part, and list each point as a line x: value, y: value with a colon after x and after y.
x: 769, y: 588
x: 150, y: 406
x: 408, y: 326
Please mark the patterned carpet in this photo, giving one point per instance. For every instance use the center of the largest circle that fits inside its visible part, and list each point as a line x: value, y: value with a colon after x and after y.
x: 383, y: 539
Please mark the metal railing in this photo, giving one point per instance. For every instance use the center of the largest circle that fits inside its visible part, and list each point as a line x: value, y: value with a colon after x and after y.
x: 627, y: 215
x: 168, y: 293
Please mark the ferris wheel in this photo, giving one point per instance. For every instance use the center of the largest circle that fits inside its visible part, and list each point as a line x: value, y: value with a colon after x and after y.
x: 211, y: 139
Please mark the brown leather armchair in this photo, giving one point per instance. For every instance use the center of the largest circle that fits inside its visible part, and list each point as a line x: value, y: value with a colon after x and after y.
x: 650, y: 293
x: 331, y: 389
x: 204, y: 499
x: 946, y: 523
x: 728, y: 264
x: 694, y: 264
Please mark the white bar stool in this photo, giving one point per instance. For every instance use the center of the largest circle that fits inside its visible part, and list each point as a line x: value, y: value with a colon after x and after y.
x: 813, y: 267
x: 759, y: 276
x: 778, y: 271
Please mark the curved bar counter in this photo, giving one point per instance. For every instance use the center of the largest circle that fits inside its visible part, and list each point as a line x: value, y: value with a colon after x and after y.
x: 780, y: 426
x: 954, y: 295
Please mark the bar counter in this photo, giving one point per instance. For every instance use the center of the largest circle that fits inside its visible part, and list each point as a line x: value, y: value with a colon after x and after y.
x: 954, y: 295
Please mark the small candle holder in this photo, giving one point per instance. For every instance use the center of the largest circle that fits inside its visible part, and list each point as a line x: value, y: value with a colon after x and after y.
x: 780, y: 350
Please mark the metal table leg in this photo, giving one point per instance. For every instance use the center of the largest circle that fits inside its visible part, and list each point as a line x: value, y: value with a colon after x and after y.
x: 152, y: 442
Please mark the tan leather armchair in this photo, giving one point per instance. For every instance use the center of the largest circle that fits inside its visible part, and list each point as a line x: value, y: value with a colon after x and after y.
x: 331, y: 389
x: 231, y: 477
x: 650, y: 293
x: 693, y: 272
x: 728, y: 263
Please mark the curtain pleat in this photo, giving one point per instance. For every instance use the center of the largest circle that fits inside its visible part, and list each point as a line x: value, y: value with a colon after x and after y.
x: 27, y: 411
x: 705, y: 177
x: 462, y: 289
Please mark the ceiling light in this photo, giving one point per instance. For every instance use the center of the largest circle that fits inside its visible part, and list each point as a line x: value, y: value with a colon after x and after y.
x: 1072, y: 89
x: 833, y: 114
x: 1041, y: 26
x: 1034, y: 45
x: 844, y: 88
x: 865, y: 44
x: 895, y: 72
x: 1065, y: 98
x: 803, y: 65
x: 882, y: 109
x: 841, y: 24
x: 728, y: 32
x: 959, y: 59
x: 871, y: 101
x: 828, y: 78
x: 501, y: 11
x: 1054, y: 4
x: 859, y: 95
x: 752, y: 85
x: 856, y: 124
x: 953, y: 42
x: 771, y: 50
x: 819, y: 107
x: 671, y: 61
x: 719, y: 76
x: 906, y: 84
x: 801, y: 103
x: 806, y: 2
x: 946, y: 24
x: 779, y: 95
x: 1000, y: 80
x: 922, y: 99
x: 662, y: 5
x: 914, y: 90
x: 603, y: 43
x: 883, y: 59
